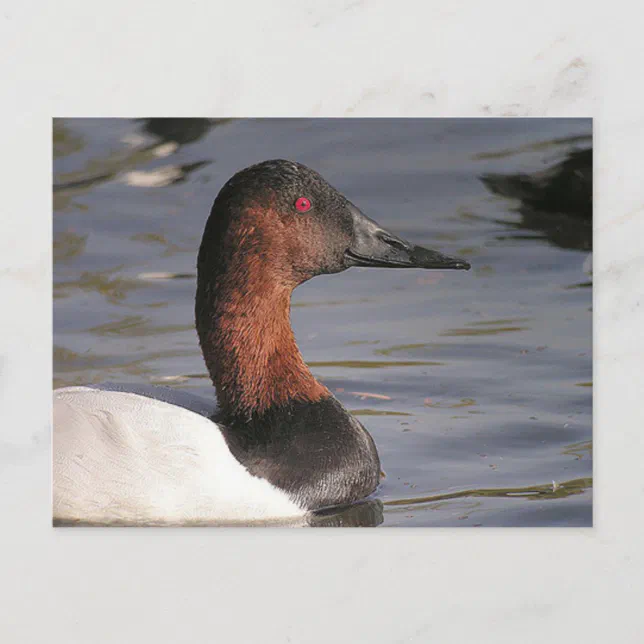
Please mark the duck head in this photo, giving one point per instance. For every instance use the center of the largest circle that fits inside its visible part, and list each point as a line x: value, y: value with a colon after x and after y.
x: 286, y: 216
x: 273, y: 226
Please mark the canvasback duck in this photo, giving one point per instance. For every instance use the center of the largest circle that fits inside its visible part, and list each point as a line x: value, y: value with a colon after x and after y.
x: 276, y: 445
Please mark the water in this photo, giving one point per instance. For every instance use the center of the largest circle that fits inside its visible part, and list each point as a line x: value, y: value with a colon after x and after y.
x: 476, y: 386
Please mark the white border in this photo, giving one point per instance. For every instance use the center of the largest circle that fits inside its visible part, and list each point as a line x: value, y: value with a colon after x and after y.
x: 307, y: 58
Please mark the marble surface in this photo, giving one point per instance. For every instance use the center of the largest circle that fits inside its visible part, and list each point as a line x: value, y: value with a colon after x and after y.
x: 320, y: 59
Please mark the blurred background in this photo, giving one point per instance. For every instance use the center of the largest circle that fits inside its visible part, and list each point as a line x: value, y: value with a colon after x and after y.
x: 477, y: 387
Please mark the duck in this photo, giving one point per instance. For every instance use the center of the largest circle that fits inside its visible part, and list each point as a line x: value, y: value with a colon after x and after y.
x: 274, y: 444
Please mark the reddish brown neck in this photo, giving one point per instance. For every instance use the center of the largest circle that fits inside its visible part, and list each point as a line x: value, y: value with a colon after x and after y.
x: 249, y: 346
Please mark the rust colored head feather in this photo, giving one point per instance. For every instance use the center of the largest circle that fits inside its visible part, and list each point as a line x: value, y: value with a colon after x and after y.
x: 273, y: 226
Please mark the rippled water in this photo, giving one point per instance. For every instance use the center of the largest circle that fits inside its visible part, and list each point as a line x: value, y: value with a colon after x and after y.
x: 476, y: 386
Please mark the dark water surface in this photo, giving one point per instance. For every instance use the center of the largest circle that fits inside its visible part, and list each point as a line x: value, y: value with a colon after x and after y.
x: 476, y: 386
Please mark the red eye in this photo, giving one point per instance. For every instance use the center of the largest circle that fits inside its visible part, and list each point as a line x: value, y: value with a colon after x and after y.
x: 303, y: 204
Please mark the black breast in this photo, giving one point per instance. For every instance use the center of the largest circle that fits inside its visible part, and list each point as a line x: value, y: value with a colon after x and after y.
x: 316, y: 452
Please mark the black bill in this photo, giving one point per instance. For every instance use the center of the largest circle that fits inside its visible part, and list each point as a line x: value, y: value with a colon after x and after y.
x: 374, y: 246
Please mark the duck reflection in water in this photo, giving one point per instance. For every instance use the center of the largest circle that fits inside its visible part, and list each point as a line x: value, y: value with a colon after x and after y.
x: 557, y: 201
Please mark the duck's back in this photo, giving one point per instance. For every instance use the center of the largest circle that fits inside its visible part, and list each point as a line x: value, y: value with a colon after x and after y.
x: 151, y: 455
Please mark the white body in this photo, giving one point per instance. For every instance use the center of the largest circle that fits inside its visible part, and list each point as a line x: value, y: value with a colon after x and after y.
x: 120, y: 457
